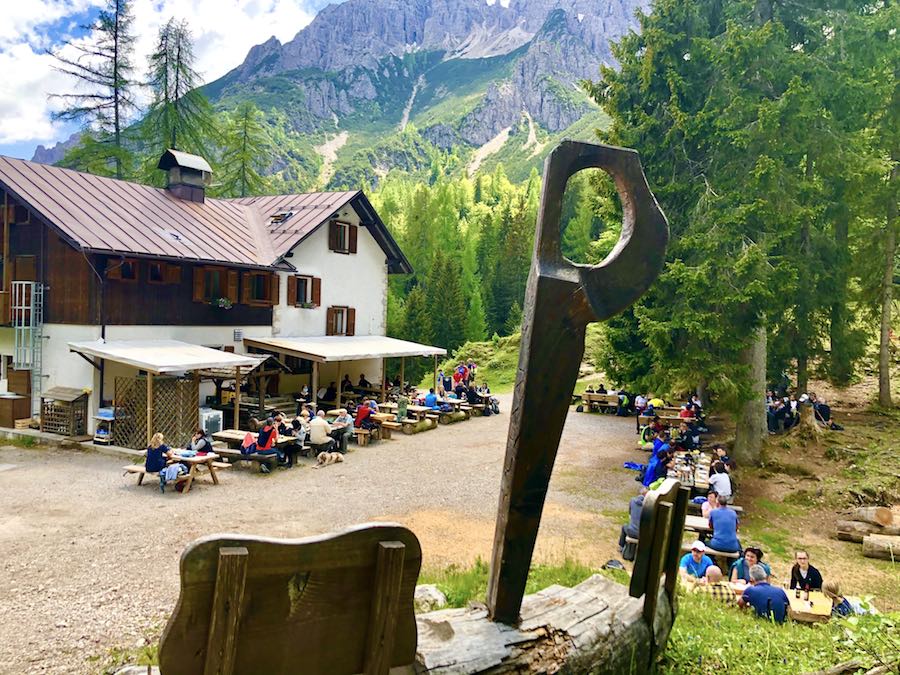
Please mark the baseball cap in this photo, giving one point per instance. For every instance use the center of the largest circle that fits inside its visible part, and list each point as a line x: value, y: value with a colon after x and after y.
x: 698, y: 546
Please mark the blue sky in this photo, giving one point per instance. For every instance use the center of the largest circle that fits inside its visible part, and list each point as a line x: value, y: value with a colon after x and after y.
x: 223, y: 32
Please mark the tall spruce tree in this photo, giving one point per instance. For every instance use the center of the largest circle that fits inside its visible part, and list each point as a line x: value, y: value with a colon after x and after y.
x: 103, y: 72
x: 446, y: 302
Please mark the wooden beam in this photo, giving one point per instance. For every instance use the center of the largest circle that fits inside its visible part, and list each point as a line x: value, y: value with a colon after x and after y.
x: 6, y: 270
x: 199, y: 402
x: 435, y: 374
x: 262, y: 384
x: 402, y: 376
x: 149, y: 407
x: 383, y: 380
x: 237, y: 397
x: 385, y: 608
x: 228, y: 596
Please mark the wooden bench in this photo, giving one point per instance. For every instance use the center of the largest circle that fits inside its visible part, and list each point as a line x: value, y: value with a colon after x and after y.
x: 362, y: 436
x: 388, y: 427
x: 233, y: 455
x: 141, y: 472
x: 257, y: 605
x: 696, y: 508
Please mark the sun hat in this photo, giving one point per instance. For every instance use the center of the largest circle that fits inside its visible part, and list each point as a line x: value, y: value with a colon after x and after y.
x: 698, y: 546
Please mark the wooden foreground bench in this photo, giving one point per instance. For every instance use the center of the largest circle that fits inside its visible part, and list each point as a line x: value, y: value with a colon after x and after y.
x: 362, y: 436
x: 388, y: 427
x: 233, y: 455
x: 140, y: 471
x: 335, y: 603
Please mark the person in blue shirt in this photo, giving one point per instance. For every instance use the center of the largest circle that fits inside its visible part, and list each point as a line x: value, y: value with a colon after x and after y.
x: 657, y: 466
x: 768, y: 601
x: 694, y: 564
x: 431, y: 400
x: 724, y: 523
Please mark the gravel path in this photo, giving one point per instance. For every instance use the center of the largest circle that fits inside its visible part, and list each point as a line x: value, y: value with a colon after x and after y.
x: 90, y: 560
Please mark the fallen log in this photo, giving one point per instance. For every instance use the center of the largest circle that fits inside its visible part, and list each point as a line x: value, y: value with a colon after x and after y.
x: 876, y: 515
x: 410, y: 427
x: 845, y: 667
x: 451, y: 417
x: 594, y: 627
x: 854, y: 530
x: 881, y: 546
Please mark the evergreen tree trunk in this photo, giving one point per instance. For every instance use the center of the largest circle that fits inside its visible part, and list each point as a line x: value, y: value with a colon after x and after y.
x: 701, y: 391
x: 751, y: 421
x: 804, y: 328
x: 840, y: 353
x: 890, y: 252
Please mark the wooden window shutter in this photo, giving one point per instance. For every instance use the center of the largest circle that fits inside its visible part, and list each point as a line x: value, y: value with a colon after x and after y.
x: 113, y: 269
x: 228, y: 348
x: 275, y: 286
x: 351, y: 237
x: 199, y: 284
x: 246, y: 281
x: 316, y: 295
x: 291, y: 291
x: 351, y: 322
x: 332, y: 235
x: 231, y: 286
x: 172, y: 274
x: 329, y: 321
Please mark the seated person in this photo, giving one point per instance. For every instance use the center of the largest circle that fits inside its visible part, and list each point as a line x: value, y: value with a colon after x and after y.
x: 632, y: 529
x: 840, y: 605
x: 601, y: 389
x: 768, y: 601
x: 803, y: 575
x: 472, y: 396
x: 661, y: 439
x: 373, y: 405
x: 686, y: 438
x: 693, y: 565
x: 724, y: 522
x: 319, y: 434
x: 342, y: 429
x: 363, y: 412
x: 265, y: 444
x: 656, y: 402
x: 740, y: 568
x: 363, y: 382
x: 686, y: 412
x: 658, y: 466
x: 658, y: 425
x: 712, y: 502
x: 589, y: 390
x: 346, y: 383
x: 300, y: 426
x: 720, y: 481
x: 431, y: 400
x: 461, y: 391
x: 284, y: 429
x: 200, y: 442
x: 330, y: 393
x: 716, y: 586
x: 158, y: 454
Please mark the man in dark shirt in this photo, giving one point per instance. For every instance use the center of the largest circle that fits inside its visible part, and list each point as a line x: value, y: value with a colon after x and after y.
x: 803, y: 575
x: 632, y: 529
x: 767, y: 600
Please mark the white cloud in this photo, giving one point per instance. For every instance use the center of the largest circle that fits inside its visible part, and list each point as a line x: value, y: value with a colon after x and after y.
x: 224, y: 30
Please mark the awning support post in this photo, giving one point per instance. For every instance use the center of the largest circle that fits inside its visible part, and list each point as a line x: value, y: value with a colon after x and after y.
x: 402, y: 377
x: 435, y: 374
x: 337, y: 402
x: 237, y: 398
x: 383, y: 380
x: 315, y: 385
x: 149, y: 407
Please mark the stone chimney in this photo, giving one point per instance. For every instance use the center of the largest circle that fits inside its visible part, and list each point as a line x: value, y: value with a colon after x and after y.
x: 188, y: 175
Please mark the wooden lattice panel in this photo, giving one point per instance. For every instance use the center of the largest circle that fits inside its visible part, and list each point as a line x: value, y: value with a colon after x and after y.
x: 176, y: 405
x: 68, y: 418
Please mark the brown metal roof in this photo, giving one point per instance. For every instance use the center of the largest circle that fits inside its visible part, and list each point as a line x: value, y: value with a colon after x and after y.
x: 107, y: 215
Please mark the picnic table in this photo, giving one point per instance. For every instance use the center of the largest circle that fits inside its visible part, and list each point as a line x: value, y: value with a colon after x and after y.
x: 814, y: 610
x: 698, y: 524
x: 208, y: 461
x: 234, y: 437
x: 593, y: 399
x: 693, y: 473
x: 647, y: 419
x: 419, y: 411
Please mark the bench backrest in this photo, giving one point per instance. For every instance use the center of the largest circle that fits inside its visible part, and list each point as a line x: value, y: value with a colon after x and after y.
x: 659, y: 545
x: 336, y: 603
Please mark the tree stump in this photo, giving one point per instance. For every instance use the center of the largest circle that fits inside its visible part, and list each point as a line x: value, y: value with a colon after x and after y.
x: 874, y: 515
x: 594, y: 627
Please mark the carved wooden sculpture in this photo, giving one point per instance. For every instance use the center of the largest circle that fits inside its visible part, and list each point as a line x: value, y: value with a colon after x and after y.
x: 560, y: 300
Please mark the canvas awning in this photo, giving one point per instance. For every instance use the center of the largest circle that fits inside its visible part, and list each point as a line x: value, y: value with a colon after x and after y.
x: 162, y: 356
x: 343, y: 348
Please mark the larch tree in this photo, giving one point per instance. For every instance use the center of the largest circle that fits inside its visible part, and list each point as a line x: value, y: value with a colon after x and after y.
x: 244, y: 146
x: 102, y: 68
x: 180, y: 116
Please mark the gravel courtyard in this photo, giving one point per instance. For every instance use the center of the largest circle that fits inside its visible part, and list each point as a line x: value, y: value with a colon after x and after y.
x: 90, y: 560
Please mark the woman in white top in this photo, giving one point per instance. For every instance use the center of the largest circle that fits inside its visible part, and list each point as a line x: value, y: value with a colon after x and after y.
x: 720, y: 481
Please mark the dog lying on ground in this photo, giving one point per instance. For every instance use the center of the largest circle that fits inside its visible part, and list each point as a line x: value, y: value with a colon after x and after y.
x: 326, y: 458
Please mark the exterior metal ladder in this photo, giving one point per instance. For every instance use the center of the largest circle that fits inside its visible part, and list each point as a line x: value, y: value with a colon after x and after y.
x: 28, y: 323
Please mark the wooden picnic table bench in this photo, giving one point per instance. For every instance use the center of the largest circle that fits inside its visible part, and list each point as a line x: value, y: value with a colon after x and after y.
x: 644, y: 420
x: 597, y: 400
x: 209, y: 461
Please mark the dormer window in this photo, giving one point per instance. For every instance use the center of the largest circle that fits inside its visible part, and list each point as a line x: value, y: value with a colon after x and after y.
x: 122, y: 269
x: 342, y: 237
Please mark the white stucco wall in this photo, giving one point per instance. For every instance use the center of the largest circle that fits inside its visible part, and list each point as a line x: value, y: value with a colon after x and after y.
x: 352, y: 280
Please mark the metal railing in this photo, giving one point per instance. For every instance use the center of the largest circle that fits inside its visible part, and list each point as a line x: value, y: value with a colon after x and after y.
x: 27, y: 316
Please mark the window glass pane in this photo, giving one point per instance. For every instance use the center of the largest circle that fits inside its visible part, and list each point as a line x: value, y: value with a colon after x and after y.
x: 302, y: 289
x: 260, y: 287
x: 338, y: 321
x: 213, y: 284
x: 342, y: 237
x: 129, y: 270
x: 156, y: 272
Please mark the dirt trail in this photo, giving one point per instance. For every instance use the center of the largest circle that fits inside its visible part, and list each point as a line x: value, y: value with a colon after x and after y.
x: 90, y: 560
